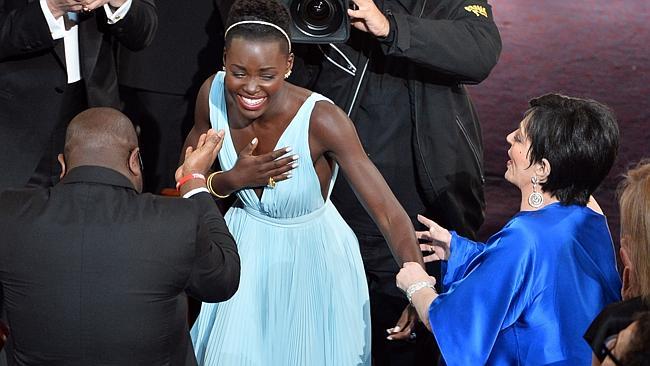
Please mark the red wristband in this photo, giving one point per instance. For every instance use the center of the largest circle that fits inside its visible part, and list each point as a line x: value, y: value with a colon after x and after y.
x: 188, y: 178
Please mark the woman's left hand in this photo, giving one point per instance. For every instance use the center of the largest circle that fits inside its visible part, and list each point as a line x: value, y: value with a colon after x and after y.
x: 438, y: 240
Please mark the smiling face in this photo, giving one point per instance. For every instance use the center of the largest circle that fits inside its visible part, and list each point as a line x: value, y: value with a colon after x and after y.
x: 255, y: 72
x: 519, y: 170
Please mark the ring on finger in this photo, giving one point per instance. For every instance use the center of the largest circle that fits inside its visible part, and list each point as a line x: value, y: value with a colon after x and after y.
x: 271, y: 183
x: 412, y: 336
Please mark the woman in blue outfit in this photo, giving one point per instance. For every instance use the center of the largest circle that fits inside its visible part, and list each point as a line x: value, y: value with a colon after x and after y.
x: 303, y: 298
x: 527, y: 295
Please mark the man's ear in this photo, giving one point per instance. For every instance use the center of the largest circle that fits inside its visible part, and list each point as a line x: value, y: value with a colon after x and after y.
x: 61, y: 160
x: 543, y: 170
x: 134, y: 162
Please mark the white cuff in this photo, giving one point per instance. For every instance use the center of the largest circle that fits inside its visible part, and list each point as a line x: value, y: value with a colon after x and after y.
x: 57, y: 27
x: 119, y: 14
x: 195, y: 191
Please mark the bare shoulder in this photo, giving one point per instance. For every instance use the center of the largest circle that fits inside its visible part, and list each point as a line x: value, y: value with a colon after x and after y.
x: 202, y: 108
x: 207, y: 84
x: 327, y: 119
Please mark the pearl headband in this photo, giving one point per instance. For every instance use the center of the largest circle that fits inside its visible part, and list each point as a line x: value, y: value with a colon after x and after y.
x: 262, y: 23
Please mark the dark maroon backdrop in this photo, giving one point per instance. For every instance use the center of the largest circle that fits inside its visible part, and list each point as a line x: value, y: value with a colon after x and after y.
x: 598, y: 49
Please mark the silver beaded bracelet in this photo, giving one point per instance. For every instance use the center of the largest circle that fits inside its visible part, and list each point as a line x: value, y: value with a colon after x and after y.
x: 417, y: 287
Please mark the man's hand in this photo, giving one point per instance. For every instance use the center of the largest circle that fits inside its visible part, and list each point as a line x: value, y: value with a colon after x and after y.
x: 90, y: 5
x: 369, y: 18
x: 200, y: 160
x: 4, y: 333
x: 438, y: 240
x: 60, y: 7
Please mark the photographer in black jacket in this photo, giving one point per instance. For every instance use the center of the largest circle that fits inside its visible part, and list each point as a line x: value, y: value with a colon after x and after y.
x: 401, y: 77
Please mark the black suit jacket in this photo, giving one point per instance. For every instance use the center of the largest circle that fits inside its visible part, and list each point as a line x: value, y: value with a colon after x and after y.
x: 33, y: 75
x: 96, y: 274
x: 187, y: 49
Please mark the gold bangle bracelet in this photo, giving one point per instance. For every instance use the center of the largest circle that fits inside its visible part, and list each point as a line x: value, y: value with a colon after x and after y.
x: 209, y: 184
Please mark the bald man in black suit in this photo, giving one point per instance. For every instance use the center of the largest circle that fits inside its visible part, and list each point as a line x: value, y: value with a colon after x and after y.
x: 96, y: 273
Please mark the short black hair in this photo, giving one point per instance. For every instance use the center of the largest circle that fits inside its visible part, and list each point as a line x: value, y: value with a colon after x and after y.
x: 270, y: 11
x: 579, y: 138
x: 638, y: 353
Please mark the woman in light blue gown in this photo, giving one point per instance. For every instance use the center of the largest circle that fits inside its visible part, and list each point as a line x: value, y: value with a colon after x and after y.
x: 303, y: 298
x: 527, y: 295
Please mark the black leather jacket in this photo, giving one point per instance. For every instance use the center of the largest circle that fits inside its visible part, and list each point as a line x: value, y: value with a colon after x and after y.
x: 445, y: 44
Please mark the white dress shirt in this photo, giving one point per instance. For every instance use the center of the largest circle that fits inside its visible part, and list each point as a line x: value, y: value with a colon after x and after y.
x: 71, y: 36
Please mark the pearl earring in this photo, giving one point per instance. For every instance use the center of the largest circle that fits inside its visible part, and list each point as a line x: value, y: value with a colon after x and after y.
x: 286, y: 76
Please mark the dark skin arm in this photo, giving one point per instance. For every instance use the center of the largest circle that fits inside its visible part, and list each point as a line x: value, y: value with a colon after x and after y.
x: 333, y: 135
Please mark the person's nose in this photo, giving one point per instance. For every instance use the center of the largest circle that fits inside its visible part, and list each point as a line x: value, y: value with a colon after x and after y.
x: 511, y: 137
x: 251, y: 86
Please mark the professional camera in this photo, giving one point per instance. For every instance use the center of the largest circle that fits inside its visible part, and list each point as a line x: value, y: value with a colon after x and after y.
x: 319, y: 21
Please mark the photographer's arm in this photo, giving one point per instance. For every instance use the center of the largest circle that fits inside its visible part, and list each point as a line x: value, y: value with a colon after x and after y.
x: 465, y: 47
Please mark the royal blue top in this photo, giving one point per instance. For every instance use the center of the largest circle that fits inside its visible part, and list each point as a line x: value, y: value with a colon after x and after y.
x: 527, y: 296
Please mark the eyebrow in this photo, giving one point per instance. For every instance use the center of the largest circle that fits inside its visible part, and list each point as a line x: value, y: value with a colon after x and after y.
x: 267, y: 68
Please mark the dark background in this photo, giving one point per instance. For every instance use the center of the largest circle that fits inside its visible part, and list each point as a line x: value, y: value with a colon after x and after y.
x: 598, y: 49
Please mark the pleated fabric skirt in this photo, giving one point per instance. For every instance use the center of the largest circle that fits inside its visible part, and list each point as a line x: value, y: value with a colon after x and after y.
x: 302, y: 298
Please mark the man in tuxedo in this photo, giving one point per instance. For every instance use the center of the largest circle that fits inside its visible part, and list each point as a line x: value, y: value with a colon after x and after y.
x: 93, y: 271
x: 56, y: 59
x: 159, y: 85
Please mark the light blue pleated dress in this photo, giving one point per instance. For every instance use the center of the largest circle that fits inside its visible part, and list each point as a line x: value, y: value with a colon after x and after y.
x: 303, y: 297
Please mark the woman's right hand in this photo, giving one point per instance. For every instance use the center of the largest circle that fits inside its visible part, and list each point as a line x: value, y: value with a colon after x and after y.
x: 254, y: 170
x: 438, y: 240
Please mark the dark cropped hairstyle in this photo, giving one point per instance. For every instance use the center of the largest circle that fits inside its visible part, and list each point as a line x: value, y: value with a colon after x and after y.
x: 638, y: 352
x: 579, y: 138
x: 264, y: 10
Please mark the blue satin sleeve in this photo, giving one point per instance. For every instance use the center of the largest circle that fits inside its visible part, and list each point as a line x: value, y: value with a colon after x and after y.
x: 462, y: 251
x: 485, y: 297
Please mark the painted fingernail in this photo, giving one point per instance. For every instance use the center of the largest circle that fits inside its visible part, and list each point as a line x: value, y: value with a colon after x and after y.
x: 295, y: 157
x: 389, y: 338
x: 389, y: 330
x: 396, y: 329
x: 254, y: 141
x: 289, y: 176
x: 294, y: 165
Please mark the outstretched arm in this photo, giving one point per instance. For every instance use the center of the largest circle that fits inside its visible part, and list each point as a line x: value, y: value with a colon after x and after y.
x: 462, y: 42
x: 333, y: 135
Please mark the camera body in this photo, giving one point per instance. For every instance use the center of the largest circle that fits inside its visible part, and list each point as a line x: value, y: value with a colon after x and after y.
x: 319, y: 21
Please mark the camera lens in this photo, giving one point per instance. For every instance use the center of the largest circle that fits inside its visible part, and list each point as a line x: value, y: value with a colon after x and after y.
x: 317, y: 11
x: 318, y: 18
